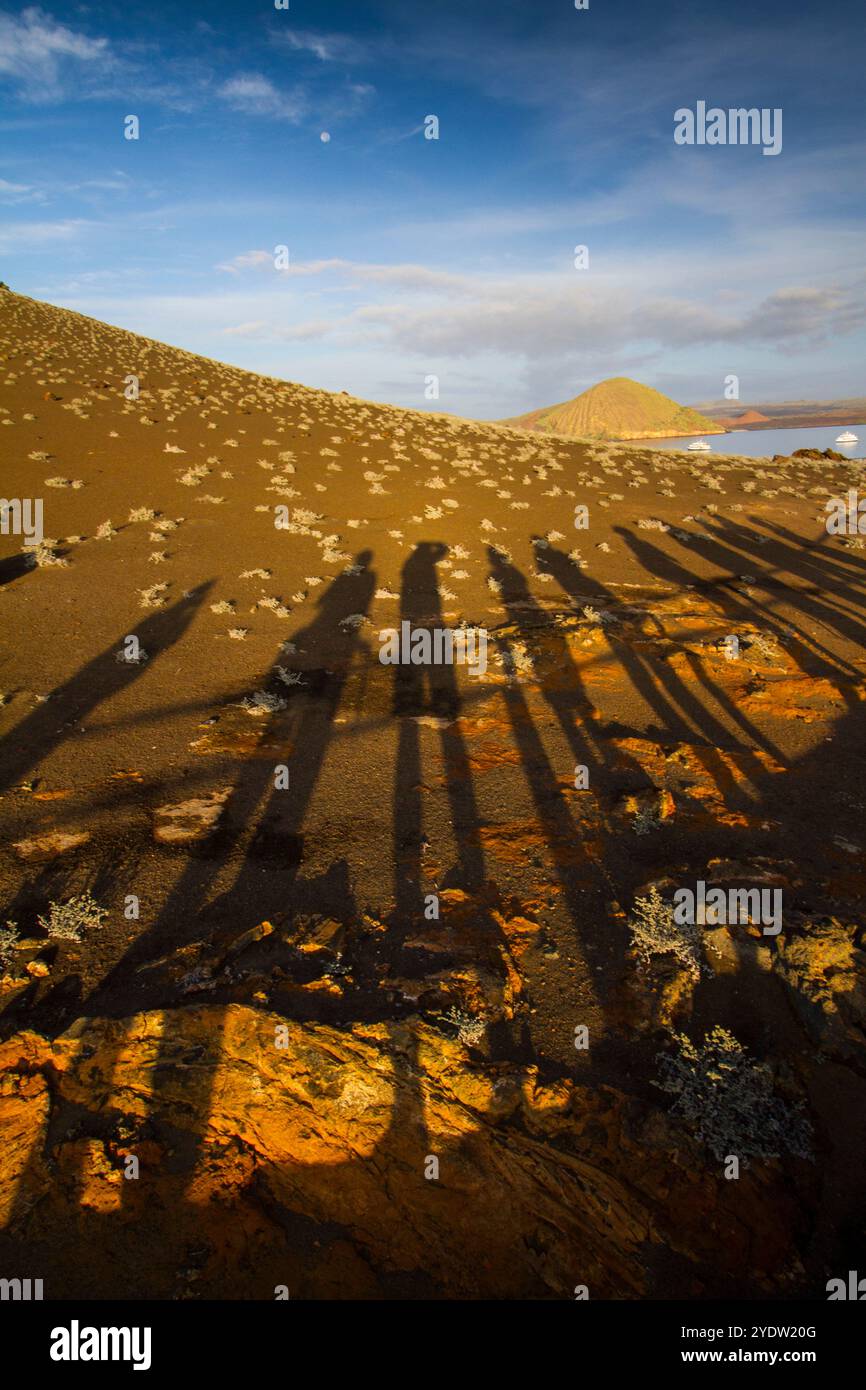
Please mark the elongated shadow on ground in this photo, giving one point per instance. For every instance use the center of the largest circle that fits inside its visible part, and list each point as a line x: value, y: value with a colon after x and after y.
x: 183, y: 917
x: 564, y: 691
x: 429, y: 692
x: 656, y: 562
x: 569, y: 850
x: 834, y: 587
x: 684, y: 717
x: 51, y: 723
x: 265, y: 824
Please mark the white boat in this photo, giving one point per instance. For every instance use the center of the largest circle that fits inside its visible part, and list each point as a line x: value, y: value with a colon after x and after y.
x: 700, y: 446
x: 847, y: 438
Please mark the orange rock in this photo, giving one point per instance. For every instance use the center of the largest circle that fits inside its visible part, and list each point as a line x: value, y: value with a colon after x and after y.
x: 335, y: 1129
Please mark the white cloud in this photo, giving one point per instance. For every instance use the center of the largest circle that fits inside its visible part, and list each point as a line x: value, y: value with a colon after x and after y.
x: 264, y: 260
x: 539, y: 323
x: 19, y: 236
x: 408, y: 277
x: 256, y: 95
x: 245, y: 330
x: 328, y: 48
x: 248, y: 260
x: 19, y: 193
x: 423, y: 312
x: 35, y: 51
x: 805, y: 315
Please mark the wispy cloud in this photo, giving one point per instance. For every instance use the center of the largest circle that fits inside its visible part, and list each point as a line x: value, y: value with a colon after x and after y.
x: 542, y: 324
x: 245, y: 330
x: 264, y: 261
x: 284, y: 333
x: 36, y: 53
x: 20, y: 236
x: 409, y: 277
x: 19, y: 193
x: 256, y: 95
x: 328, y: 48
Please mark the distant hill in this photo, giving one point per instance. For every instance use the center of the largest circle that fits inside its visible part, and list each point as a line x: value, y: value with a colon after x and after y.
x: 748, y: 417
x: 618, y: 408
x: 789, y: 414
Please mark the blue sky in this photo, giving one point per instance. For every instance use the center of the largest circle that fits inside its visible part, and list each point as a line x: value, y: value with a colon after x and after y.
x: 454, y: 257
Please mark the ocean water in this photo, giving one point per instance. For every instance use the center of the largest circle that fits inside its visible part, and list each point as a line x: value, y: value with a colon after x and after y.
x: 765, y: 443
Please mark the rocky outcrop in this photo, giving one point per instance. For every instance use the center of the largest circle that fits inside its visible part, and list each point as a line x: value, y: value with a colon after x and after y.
x: 375, y: 1161
x: 824, y: 966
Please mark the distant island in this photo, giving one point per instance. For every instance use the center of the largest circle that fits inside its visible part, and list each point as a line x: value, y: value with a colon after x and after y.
x: 618, y: 408
x: 787, y: 415
x: 748, y: 419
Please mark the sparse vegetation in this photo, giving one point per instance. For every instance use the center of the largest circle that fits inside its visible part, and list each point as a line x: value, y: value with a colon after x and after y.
x: 45, y: 556
x: 469, y: 1028
x: 154, y: 597
x: 8, y: 938
x: 654, y: 933
x: 263, y: 702
x: 728, y: 1100
x: 68, y: 920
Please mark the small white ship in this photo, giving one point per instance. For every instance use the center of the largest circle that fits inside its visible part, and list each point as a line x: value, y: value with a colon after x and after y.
x: 700, y: 446
x: 847, y: 438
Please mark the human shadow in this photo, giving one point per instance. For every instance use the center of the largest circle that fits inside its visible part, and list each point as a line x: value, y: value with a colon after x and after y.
x: 557, y: 676
x: 583, y: 875
x: 260, y: 824
x: 50, y: 723
x: 684, y: 716
x: 429, y: 693
x: 731, y: 543
x: 263, y: 818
